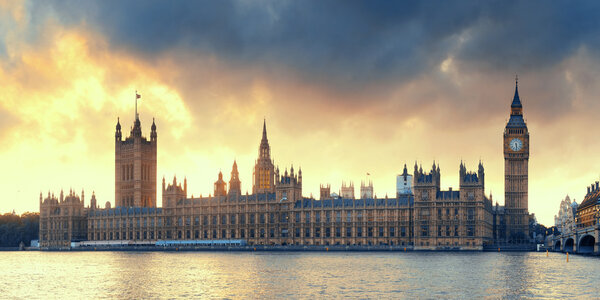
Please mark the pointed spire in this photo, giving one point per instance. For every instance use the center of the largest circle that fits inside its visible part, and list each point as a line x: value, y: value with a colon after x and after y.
x: 516, y: 103
x: 264, y: 135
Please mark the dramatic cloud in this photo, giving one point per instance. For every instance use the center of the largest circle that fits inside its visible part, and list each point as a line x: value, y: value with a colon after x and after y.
x: 347, y: 87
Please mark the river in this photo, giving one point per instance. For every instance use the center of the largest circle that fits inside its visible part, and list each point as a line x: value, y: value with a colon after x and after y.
x: 268, y: 275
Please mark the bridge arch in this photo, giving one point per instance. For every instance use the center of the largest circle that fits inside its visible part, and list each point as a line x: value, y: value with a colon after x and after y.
x: 557, y: 246
x: 569, y: 245
x: 586, y: 244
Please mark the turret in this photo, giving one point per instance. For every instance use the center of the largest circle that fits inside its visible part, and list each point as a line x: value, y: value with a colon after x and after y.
x: 234, y: 181
x: 481, y: 173
x: 118, y: 131
x: 93, y: 201
x: 185, y: 185
x: 220, y: 186
x: 153, y: 131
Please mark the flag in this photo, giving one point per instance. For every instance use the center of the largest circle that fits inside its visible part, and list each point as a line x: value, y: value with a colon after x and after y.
x: 368, y: 174
x: 137, y: 96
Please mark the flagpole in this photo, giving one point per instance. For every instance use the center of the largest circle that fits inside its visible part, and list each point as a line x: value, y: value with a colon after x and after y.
x: 136, y: 97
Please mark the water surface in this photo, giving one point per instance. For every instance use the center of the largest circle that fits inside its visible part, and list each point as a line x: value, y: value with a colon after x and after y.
x: 296, y: 275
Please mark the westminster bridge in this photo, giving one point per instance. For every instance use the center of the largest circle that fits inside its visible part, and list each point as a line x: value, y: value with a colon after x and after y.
x: 582, y: 241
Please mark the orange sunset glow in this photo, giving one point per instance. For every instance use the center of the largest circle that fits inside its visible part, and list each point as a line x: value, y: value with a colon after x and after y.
x: 339, y: 101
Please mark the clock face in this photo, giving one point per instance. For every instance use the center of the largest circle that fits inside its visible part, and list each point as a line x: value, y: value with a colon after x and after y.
x: 515, y: 144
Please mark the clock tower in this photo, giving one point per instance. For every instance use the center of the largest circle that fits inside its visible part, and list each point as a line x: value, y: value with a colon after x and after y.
x: 516, y: 169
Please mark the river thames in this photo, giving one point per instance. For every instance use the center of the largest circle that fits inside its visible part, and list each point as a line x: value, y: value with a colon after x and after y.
x: 268, y: 275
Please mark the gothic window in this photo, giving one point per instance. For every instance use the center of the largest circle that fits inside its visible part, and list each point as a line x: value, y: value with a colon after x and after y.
x: 470, y: 214
x: 470, y: 230
x: 424, y: 230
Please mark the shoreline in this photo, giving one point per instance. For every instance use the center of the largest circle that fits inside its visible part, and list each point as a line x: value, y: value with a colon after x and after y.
x: 262, y: 248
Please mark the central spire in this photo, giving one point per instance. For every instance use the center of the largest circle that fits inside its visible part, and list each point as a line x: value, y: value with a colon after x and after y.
x: 264, y: 149
x: 264, y: 136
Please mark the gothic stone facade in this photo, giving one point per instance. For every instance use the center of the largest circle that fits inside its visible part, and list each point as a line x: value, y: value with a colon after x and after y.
x: 135, y: 167
x: 451, y: 219
x: 276, y: 213
x: 63, y: 220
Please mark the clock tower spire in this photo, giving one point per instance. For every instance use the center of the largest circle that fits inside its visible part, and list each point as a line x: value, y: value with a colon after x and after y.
x: 516, y: 173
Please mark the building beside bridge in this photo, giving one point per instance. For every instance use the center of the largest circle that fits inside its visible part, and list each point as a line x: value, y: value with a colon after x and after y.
x: 581, y: 233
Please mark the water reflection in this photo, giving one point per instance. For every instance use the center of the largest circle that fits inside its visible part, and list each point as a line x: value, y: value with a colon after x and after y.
x: 301, y: 275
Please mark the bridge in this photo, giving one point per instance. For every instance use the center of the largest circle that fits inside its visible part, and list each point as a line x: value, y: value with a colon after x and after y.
x: 582, y: 241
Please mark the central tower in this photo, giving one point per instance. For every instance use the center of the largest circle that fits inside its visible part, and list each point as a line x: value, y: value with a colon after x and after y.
x: 264, y: 171
x: 516, y: 170
x: 135, y: 166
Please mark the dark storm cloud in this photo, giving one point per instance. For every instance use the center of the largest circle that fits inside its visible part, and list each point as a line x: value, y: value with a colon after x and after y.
x: 354, y: 40
x: 346, y: 41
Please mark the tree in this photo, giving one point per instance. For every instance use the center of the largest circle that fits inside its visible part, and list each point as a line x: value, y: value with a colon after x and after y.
x: 15, y: 229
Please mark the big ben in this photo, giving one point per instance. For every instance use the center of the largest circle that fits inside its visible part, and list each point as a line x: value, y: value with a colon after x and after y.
x: 516, y: 169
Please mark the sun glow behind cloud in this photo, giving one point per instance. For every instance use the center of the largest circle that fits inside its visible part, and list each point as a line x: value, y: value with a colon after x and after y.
x: 335, y: 107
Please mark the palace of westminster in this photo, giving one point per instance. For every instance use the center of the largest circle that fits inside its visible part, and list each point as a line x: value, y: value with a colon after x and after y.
x: 421, y: 216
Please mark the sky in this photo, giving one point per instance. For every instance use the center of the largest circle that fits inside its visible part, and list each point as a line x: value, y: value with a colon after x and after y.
x: 346, y: 87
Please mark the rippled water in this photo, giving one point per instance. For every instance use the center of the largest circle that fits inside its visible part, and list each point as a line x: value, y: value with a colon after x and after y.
x: 297, y: 275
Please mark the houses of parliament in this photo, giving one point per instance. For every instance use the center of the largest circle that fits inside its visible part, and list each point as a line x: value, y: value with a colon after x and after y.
x: 421, y: 216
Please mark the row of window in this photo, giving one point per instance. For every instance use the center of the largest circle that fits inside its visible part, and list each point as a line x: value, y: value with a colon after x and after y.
x: 233, y: 219
x: 327, y: 232
x: 445, y: 231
